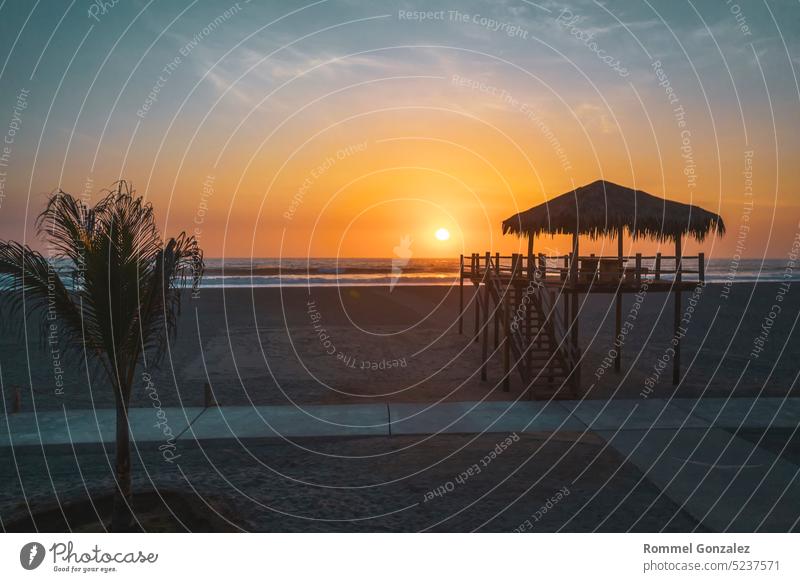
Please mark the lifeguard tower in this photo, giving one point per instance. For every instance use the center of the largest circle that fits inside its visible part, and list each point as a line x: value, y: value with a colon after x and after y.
x: 518, y: 295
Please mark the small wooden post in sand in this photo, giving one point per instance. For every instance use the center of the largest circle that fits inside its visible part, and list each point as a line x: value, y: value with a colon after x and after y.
x: 676, y: 361
x: 209, y: 400
x: 16, y: 403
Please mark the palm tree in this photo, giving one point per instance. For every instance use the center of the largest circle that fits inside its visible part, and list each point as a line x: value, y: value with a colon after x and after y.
x: 113, y: 288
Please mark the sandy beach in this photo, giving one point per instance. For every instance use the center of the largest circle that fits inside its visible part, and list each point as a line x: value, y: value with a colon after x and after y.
x: 332, y: 345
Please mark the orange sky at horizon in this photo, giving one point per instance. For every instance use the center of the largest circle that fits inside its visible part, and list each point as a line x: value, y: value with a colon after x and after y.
x: 356, y: 191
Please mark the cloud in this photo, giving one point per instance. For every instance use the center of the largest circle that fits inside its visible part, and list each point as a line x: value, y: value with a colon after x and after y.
x: 595, y: 118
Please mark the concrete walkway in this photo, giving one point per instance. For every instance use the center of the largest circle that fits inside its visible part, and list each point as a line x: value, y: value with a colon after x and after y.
x: 686, y: 447
x: 54, y: 427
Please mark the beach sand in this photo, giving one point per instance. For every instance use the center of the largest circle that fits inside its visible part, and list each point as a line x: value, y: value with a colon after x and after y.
x: 367, y: 345
x: 365, y: 485
x: 370, y: 344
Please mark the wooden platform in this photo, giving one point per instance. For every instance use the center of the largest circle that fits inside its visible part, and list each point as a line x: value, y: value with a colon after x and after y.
x: 662, y: 286
x: 540, y: 342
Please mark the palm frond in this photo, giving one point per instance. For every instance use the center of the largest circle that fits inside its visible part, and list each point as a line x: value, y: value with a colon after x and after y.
x: 33, y: 288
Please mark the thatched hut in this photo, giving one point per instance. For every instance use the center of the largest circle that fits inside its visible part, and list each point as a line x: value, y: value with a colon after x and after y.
x: 596, y: 210
x: 603, y: 208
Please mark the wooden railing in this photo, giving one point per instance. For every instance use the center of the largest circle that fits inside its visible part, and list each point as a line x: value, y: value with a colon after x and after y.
x: 634, y: 269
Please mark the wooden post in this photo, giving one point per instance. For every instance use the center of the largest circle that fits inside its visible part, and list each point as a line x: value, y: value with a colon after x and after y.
x: 575, y: 301
x: 461, y: 295
x: 16, y: 403
x: 573, y: 267
x: 573, y: 275
x: 528, y: 335
x: 485, y: 332
x: 498, y: 302
x: 701, y: 267
x: 208, y: 396
x: 618, y: 301
x: 506, y: 345
x: 476, y: 299
x: 542, y: 267
x: 676, y: 361
x: 527, y: 306
x: 576, y: 373
x: 658, y: 266
x: 639, y: 270
x: 530, y: 257
x: 551, y: 348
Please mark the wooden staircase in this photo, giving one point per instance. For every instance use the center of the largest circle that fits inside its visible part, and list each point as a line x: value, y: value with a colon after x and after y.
x: 534, y: 338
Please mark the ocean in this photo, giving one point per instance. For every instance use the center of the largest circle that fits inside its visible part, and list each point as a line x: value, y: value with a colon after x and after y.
x: 272, y: 272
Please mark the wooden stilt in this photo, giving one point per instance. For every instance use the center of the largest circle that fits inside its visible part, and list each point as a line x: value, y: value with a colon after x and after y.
x: 573, y: 275
x: 506, y: 346
x: 576, y: 372
x: 701, y: 268
x: 530, y: 256
x: 574, y: 320
x: 485, y: 332
x: 618, y: 300
x: 528, y: 307
x: 497, y: 304
x: 528, y: 333
x: 551, y: 349
x: 475, y: 269
x: 477, y: 301
x: 461, y: 296
x: 573, y: 265
x: 676, y: 361
x: 639, y: 270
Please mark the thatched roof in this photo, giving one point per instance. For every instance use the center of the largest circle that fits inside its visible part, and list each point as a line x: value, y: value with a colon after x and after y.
x: 600, y: 208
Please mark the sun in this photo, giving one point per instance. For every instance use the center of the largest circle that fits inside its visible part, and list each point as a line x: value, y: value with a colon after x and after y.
x: 442, y: 234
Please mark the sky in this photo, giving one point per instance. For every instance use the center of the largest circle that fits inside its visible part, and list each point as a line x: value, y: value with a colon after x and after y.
x: 336, y: 128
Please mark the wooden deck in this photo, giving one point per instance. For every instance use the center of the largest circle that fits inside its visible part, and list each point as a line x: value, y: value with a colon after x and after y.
x: 590, y: 274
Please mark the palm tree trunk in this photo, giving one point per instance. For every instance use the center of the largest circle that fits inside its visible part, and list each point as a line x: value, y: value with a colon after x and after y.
x: 122, y: 515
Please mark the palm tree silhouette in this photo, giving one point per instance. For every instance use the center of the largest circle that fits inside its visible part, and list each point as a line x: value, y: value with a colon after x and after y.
x: 112, y: 287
